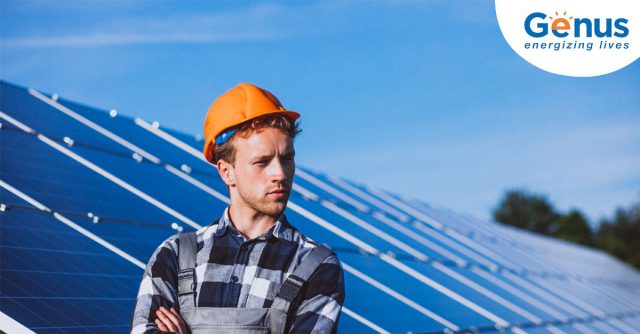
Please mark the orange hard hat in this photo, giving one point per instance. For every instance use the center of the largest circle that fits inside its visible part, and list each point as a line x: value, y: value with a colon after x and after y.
x: 242, y: 103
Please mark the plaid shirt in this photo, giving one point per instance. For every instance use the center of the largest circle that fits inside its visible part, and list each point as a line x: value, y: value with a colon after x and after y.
x: 234, y: 272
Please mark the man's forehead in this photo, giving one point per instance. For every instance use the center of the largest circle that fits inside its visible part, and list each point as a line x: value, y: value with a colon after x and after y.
x: 265, y: 142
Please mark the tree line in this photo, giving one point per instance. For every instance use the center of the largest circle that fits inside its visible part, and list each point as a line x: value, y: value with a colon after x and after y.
x: 618, y: 235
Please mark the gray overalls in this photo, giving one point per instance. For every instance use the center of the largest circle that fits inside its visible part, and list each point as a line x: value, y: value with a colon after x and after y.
x: 233, y: 320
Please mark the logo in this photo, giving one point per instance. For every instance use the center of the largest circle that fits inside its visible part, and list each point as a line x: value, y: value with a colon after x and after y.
x: 574, y: 38
x: 562, y: 27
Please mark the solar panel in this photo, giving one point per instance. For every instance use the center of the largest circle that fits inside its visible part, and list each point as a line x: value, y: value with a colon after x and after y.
x: 88, y: 194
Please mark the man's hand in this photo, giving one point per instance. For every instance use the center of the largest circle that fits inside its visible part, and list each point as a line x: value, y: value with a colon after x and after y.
x: 170, y: 321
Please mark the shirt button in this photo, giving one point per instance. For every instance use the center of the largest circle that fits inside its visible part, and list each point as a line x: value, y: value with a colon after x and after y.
x: 234, y: 279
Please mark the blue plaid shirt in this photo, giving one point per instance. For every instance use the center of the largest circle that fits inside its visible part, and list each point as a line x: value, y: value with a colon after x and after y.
x: 234, y: 272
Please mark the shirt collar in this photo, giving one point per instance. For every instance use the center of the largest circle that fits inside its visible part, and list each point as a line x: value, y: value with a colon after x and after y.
x: 281, y: 230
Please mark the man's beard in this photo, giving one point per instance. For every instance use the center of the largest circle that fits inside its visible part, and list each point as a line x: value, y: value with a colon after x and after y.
x: 265, y: 204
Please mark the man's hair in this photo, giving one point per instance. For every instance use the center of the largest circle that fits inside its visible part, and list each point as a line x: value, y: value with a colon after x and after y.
x: 227, y: 151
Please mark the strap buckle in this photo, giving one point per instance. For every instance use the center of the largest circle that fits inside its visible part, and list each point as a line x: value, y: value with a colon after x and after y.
x: 186, y: 281
x: 290, y: 288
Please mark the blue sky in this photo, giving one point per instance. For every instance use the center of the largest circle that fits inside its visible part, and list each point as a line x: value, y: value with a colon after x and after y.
x: 425, y: 99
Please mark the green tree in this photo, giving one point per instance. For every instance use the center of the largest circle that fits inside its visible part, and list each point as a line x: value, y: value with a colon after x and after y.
x: 574, y: 227
x: 620, y: 235
x: 528, y: 211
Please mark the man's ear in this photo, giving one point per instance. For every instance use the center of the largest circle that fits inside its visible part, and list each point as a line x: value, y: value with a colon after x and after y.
x: 227, y: 173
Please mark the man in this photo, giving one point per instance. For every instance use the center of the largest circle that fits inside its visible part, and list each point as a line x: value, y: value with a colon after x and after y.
x: 251, y: 271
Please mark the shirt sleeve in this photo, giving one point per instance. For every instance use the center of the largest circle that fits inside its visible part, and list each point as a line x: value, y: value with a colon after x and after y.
x: 157, y: 288
x: 322, y: 300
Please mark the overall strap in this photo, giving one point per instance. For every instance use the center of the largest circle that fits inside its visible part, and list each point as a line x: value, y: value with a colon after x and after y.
x: 187, y: 270
x: 293, y: 284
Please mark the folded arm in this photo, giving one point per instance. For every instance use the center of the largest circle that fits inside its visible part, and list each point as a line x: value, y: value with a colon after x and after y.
x: 158, y: 288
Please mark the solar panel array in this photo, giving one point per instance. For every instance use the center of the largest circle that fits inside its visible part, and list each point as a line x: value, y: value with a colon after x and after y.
x: 88, y: 194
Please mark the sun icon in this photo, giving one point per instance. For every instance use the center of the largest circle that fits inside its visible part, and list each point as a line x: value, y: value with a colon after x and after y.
x: 560, y: 23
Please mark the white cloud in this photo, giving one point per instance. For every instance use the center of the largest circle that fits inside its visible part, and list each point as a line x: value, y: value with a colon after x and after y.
x: 150, y: 37
x: 255, y: 23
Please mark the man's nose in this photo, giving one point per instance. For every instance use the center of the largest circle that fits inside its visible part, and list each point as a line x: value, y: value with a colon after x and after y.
x: 276, y: 170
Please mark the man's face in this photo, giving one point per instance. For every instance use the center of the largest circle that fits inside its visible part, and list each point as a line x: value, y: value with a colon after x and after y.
x: 264, y: 170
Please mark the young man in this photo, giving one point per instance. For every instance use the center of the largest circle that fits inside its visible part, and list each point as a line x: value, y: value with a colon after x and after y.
x: 251, y: 271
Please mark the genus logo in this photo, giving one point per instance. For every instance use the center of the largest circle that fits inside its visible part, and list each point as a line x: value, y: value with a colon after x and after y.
x: 580, y: 38
x: 539, y: 24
